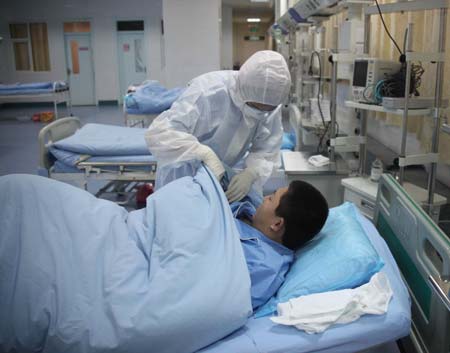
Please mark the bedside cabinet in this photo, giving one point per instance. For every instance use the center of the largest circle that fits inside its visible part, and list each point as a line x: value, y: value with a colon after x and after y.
x: 362, y: 192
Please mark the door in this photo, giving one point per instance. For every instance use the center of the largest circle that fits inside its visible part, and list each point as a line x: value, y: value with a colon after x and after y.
x: 131, y: 59
x: 80, y: 70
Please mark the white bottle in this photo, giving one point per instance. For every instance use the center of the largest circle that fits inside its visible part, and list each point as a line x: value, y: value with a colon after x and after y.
x: 376, y: 171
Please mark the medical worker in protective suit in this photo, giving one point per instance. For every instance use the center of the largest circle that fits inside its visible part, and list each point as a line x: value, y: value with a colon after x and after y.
x: 221, y: 116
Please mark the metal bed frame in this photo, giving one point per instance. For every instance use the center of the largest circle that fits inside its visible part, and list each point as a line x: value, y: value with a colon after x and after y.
x: 121, y: 182
x: 57, y: 96
x: 133, y: 120
x: 136, y: 120
x: 422, y: 252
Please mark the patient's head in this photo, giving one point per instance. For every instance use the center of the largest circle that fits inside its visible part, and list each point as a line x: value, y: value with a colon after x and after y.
x: 292, y: 216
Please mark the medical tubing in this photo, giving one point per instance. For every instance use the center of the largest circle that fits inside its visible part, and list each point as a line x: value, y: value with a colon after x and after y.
x: 320, y: 82
x: 394, y: 86
x: 378, y: 95
x: 325, y: 125
x: 323, y: 136
x: 405, y: 37
x: 387, y: 31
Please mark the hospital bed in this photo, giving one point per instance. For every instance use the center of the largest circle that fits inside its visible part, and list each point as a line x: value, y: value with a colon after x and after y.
x: 144, y: 102
x: 121, y: 173
x: 403, y: 234
x: 258, y: 335
x: 56, y: 92
x: 422, y: 252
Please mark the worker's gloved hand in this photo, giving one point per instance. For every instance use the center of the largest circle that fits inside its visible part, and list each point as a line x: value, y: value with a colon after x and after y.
x: 209, y: 157
x: 240, y: 185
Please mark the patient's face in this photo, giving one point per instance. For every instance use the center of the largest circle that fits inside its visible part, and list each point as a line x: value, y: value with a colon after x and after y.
x: 265, y: 213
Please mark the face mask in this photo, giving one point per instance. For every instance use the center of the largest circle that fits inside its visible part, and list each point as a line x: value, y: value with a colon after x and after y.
x: 254, y: 113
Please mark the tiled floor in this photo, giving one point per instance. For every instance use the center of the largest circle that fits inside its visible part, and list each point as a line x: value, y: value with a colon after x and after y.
x: 19, y: 150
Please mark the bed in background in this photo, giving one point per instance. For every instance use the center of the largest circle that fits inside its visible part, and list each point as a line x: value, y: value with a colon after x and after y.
x: 115, y: 154
x: 143, y: 103
x: 56, y: 92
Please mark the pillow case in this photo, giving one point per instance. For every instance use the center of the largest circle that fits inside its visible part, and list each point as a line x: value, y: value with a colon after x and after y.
x: 339, y: 257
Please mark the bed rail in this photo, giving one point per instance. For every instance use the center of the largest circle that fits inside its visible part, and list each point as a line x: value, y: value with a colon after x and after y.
x: 422, y: 252
x: 53, y: 132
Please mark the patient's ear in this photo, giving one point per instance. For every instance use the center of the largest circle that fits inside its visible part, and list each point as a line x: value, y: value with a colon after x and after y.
x: 277, y: 224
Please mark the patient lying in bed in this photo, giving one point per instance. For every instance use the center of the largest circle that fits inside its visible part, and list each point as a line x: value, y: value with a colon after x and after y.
x: 80, y: 274
x: 270, y: 234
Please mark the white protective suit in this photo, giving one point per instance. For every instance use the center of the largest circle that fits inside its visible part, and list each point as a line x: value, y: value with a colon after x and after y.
x: 211, y: 115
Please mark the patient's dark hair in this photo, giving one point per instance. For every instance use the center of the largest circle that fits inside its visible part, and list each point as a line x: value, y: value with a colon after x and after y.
x: 304, y: 210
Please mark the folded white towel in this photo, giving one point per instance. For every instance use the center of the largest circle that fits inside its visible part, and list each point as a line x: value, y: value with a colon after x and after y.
x: 314, y: 313
x: 319, y: 160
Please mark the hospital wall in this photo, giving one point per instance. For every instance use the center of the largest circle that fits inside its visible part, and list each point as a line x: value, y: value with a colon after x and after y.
x: 56, y: 51
x: 227, y: 38
x: 190, y: 45
x: 103, y: 15
x: 242, y: 48
x: 4, y: 63
x: 192, y: 39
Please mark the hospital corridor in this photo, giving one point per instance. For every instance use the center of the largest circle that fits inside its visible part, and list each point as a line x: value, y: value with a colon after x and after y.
x: 225, y: 176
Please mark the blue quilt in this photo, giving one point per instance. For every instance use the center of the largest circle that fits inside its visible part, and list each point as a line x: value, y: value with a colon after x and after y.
x: 151, y: 98
x: 104, y: 143
x: 31, y: 88
x: 80, y: 274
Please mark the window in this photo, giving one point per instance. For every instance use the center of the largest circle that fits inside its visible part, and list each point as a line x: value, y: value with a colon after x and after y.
x: 19, y: 37
x: 130, y: 26
x: 77, y: 27
x: 30, y: 38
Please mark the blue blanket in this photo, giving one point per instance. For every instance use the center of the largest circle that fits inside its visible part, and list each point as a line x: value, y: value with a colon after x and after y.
x: 105, y: 143
x: 105, y: 140
x: 79, y: 274
x: 151, y: 98
x: 32, y: 88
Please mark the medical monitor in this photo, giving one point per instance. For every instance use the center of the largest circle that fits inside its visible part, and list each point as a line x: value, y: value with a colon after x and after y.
x: 360, y: 73
x: 367, y: 72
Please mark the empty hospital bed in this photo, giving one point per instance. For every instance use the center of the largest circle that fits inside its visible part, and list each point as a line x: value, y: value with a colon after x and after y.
x: 114, y: 154
x: 56, y: 92
x: 144, y: 102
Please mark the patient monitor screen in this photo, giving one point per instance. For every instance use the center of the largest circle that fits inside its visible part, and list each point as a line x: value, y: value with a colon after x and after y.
x: 360, y: 73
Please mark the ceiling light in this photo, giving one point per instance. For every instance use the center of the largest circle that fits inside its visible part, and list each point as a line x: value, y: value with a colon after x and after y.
x: 253, y: 20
